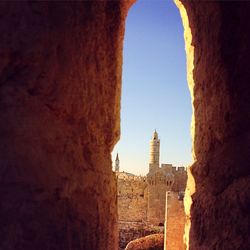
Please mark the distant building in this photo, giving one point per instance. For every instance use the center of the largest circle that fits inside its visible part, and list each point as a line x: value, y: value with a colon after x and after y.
x: 142, y: 199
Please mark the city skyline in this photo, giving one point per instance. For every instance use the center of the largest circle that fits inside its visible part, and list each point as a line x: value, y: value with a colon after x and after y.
x: 155, y: 93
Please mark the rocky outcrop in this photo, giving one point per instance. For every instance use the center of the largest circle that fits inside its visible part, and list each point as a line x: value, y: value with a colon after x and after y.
x: 220, y: 216
x: 150, y: 242
x: 60, y: 75
x: 129, y: 231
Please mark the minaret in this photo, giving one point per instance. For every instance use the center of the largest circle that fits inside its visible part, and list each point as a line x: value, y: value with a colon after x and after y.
x: 117, y: 163
x: 154, y: 163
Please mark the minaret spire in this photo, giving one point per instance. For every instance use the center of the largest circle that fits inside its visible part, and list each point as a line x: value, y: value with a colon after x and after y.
x: 117, y: 163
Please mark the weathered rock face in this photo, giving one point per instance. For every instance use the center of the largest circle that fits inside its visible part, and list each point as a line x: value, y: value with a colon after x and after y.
x: 150, y: 242
x: 60, y: 74
x: 130, y: 231
x: 220, y: 216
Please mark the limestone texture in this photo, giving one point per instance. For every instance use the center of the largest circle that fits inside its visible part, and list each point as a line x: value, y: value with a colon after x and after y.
x: 60, y: 87
x: 162, y: 180
x: 132, y: 197
x: 143, y: 198
x: 130, y: 231
x: 60, y: 78
x: 220, y: 209
x: 138, y: 197
x: 150, y: 242
x: 174, y: 222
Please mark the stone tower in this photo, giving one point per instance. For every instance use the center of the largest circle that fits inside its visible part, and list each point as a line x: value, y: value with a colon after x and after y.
x: 117, y: 163
x: 154, y: 162
x: 160, y: 180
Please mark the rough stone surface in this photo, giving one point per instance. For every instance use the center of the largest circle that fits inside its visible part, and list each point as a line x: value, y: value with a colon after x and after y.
x: 220, y: 212
x: 143, y: 199
x: 167, y: 178
x: 138, y: 197
x: 129, y: 231
x: 151, y: 242
x: 60, y: 75
x: 132, y: 197
x: 175, y: 222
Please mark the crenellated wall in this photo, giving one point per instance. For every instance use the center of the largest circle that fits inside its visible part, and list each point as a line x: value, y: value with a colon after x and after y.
x: 167, y: 178
x: 142, y: 201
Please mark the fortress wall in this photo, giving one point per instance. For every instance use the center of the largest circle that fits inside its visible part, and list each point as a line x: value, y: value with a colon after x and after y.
x: 60, y: 72
x: 158, y: 184
x: 140, y: 216
x: 156, y: 204
x: 132, y: 199
x: 180, y: 181
x: 175, y: 222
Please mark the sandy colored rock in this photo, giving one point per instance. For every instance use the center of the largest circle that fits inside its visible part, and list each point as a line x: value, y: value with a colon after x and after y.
x: 150, y: 242
x: 130, y: 231
x: 60, y: 76
x: 220, y: 34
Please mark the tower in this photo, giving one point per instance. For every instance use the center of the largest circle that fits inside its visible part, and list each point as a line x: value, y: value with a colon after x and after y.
x: 154, y: 162
x: 117, y: 163
x: 156, y: 184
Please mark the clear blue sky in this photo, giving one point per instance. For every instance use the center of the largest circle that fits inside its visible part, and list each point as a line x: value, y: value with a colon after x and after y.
x: 155, y: 93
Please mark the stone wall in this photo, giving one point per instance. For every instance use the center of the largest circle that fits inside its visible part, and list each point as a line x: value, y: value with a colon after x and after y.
x: 156, y: 204
x: 175, y: 222
x: 60, y: 82
x: 219, y: 76
x: 60, y: 75
x: 143, y: 198
x: 135, y: 210
x: 180, y: 176
x: 132, y: 198
x: 166, y: 178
